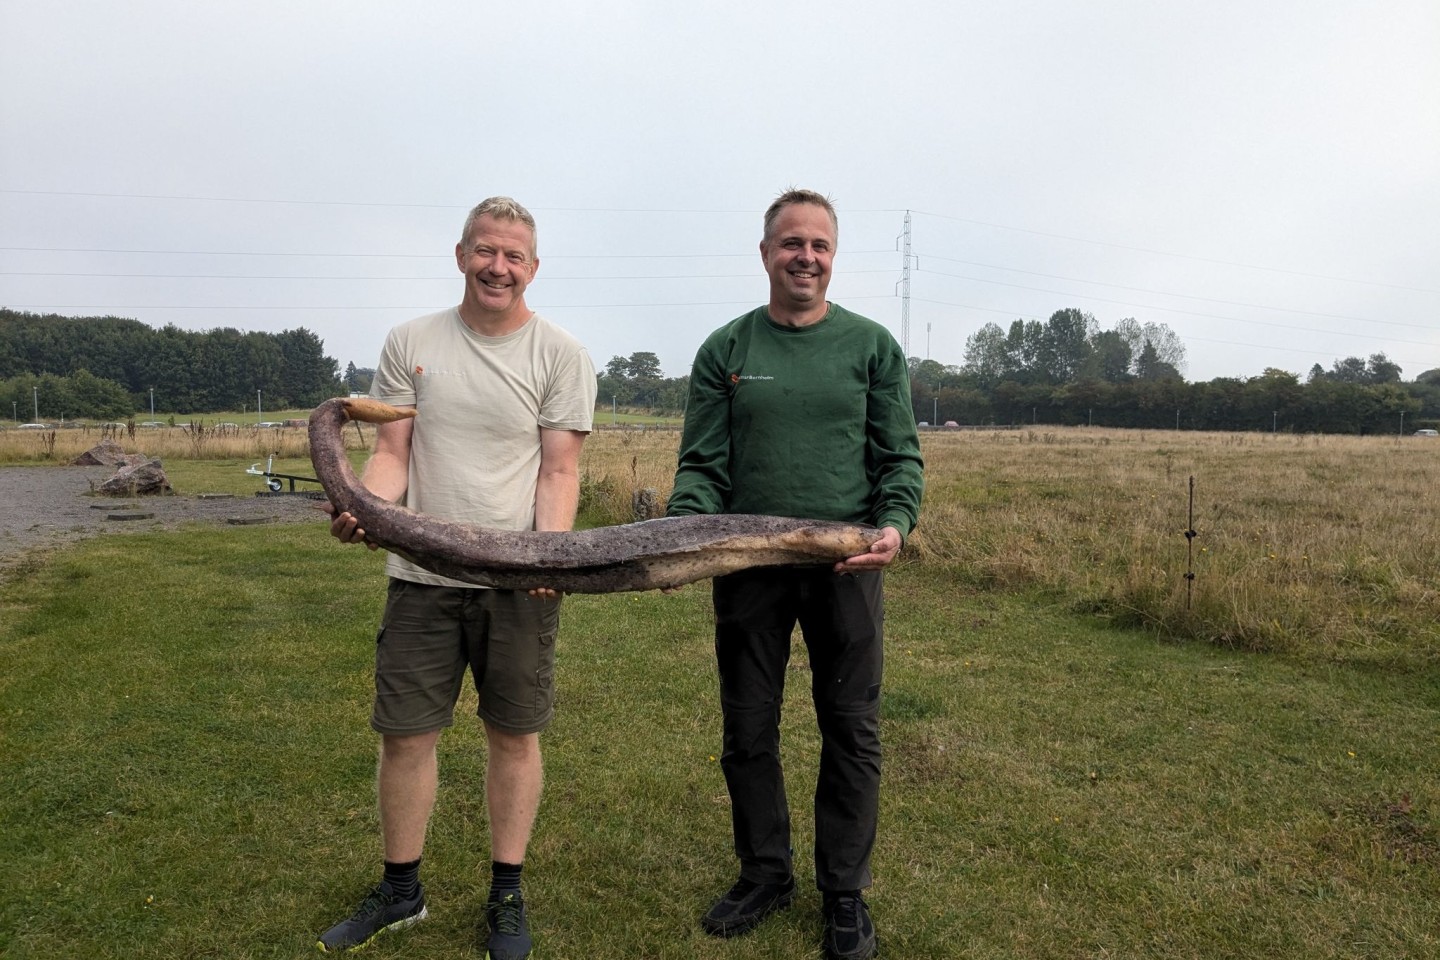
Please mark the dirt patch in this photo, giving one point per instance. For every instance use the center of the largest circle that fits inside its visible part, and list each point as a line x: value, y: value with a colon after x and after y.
x: 46, y: 507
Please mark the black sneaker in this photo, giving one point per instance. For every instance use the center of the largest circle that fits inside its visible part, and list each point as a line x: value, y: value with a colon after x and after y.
x: 509, y: 933
x: 745, y: 905
x: 849, y: 934
x: 381, y: 910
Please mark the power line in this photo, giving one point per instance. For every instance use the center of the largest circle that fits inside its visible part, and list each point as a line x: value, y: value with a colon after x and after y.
x: 1179, y: 256
x: 710, y: 211
x: 1163, y: 293
x: 383, y: 204
x: 1147, y: 306
x: 1208, y: 316
x: 538, y: 305
x: 547, y: 278
x: 414, y: 256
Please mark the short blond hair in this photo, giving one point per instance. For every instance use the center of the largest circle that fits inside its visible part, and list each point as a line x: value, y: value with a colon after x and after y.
x: 501, y: 208
x: 796, y: 195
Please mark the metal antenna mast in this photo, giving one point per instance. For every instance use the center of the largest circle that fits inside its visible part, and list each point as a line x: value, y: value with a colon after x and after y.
x: 905, y: 293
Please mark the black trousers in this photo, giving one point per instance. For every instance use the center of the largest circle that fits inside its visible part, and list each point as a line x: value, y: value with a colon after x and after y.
x: 841, y: 617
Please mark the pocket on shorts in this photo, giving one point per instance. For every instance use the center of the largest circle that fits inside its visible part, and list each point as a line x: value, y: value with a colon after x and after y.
x: 545, y: 675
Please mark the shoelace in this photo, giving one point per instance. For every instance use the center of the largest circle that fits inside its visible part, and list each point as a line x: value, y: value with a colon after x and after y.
x: 373, y: 903
x: 507, y: 916
x: 845, y: 912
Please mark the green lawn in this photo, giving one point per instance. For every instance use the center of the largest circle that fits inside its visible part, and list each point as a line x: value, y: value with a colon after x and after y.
x: 187, y: 771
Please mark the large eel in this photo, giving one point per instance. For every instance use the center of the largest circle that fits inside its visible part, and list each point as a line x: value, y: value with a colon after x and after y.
x: 647, y: 555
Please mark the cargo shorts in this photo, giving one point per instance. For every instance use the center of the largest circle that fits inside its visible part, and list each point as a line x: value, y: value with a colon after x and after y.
x: 430, y: 635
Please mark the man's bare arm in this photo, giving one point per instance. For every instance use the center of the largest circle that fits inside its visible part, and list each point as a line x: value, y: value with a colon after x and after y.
x: 386, y: 474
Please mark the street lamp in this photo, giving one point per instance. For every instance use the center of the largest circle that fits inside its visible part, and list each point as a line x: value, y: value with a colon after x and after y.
x: 152, y: 403
x: 257, y: 406
x: 37, y: 403
x: 934, y: 410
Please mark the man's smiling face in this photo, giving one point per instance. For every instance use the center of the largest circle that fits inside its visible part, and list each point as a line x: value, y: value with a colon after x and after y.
x: 797, y: 256
x: 498, y: 260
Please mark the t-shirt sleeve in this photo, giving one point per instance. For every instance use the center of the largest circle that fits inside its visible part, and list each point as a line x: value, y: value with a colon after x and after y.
x: 394, y: 382
x: 569, y: 404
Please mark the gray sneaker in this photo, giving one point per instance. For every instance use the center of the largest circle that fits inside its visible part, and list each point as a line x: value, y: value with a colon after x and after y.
x: 381, y: 910
x: 509, y: 933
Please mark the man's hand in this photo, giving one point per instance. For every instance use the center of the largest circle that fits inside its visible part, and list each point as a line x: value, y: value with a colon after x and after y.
x: 546, y: 593
x: 344, y: 527
x: 881, y: 552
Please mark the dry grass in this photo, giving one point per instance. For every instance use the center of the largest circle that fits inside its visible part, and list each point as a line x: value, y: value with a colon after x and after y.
x: 195, y: 441
x: 1323, y: 545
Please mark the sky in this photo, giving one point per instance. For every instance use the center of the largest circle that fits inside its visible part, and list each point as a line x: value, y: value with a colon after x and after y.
x: 1261, y: 176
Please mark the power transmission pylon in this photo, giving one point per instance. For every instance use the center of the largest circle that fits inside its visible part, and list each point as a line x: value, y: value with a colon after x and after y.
x: 905, y: 292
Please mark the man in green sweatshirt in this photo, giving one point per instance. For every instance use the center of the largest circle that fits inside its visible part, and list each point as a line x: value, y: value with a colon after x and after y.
x: 802, y: 409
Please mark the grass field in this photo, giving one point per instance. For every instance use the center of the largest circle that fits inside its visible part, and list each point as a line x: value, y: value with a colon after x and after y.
x: 1078, y: 763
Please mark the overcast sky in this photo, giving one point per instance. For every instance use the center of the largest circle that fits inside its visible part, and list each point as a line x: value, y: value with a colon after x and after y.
x: 1263, y: 176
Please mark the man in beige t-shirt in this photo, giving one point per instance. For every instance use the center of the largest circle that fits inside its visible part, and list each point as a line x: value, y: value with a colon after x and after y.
x: 504, y: 400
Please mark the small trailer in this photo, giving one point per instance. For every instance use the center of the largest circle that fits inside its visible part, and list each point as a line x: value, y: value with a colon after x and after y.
x: 273, y: 480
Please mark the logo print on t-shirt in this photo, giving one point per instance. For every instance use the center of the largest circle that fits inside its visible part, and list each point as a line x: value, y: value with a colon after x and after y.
x: 419, y: 369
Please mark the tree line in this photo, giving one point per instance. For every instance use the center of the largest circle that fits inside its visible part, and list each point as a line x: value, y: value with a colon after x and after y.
x: 106, y: 367
x: 1068, y: 371
x: 1065, y: 370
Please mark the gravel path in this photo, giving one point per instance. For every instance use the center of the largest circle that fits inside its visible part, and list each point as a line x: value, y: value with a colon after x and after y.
x: 45, y: 507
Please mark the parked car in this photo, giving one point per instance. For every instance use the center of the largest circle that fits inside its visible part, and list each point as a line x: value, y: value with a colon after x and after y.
x: 1427, y: 433
x: 34, y: 426
x: 271, y: 423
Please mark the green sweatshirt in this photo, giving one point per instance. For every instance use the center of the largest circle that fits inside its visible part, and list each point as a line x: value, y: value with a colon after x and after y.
x: 810, y: 422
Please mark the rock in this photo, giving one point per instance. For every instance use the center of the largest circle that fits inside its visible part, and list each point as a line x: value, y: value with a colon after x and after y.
x: 106, y: 453
x: 143, y: 479
x: 646, y: 504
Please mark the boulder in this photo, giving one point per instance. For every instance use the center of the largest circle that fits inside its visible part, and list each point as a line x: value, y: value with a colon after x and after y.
x: 142, y: 479
x: 106, y: 453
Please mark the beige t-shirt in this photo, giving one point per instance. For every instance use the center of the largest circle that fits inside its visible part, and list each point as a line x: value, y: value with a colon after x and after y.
x: 481, y: 402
